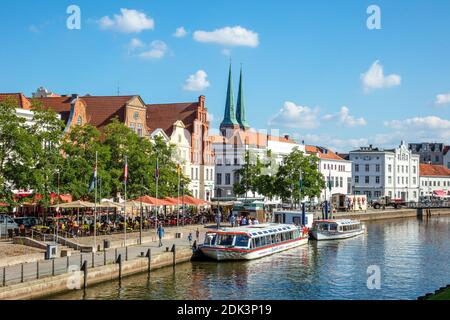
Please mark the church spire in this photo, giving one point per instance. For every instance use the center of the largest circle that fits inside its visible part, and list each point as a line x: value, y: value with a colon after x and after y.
x: 229, y: 119
x: 240, y: 110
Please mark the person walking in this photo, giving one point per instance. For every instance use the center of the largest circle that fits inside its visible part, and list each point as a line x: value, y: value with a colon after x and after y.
x: 190, y: 238
x: 160, y: 234
x: 197, y: 234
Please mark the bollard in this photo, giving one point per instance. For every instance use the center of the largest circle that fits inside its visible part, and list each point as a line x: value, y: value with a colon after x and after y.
x: 37, y: 270
x: 53, y: 267
x: 4, y: 276
x: 126, y: 253
x: 93, y: 259
x: 68, y: 263
x: 174, y: 250
x: 115, y: 255
x: 84, y: 268
x: 21, y: 273
x: 81, y: 260
x: 119, y: 261
x: 104, y: 258
x: 149, y: 256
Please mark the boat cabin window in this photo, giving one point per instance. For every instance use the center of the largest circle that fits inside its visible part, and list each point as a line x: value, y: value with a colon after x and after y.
x: 241, y: 241
x: 333, y: 226
x: 225, y: 240
x: 210, y: 239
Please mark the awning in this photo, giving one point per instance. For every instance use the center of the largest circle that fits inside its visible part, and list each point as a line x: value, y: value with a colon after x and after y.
x: 4, y: 204
x: 439, y: 193
x: 192, y: 201
x: 153, y: 201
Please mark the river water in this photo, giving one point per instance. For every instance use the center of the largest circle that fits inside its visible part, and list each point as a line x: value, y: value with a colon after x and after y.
x: 413, y: 257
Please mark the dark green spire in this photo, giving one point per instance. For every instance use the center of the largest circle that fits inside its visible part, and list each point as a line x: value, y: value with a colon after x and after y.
x: 229, y: 118
x: 240, y: 110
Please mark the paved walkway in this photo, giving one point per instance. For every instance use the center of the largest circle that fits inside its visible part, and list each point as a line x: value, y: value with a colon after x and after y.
x: 45, y: 268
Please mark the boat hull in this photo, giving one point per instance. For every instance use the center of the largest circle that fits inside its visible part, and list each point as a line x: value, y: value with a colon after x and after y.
x: 222, y: 254
x: 325, y: 235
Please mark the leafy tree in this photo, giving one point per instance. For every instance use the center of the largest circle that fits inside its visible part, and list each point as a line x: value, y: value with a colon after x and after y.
x: 249, y: 175
x: 79, y: 149
x: 287, y: 183
x: 45, y: 136
x: 15, y: 148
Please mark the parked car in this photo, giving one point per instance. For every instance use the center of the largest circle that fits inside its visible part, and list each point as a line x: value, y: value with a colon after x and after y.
x: 28, y: 222
x: 6, y: 223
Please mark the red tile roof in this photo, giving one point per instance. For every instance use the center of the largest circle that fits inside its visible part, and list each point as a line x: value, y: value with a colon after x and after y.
x: 102, y: 109
x: 19, y: 98
x: 330, y: 155
x: 430, y: 170
x: 165, y: 115
x: 60, y: 105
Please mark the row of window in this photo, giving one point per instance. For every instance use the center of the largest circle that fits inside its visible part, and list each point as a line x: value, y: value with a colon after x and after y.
x: 435, y: 183
x: 137, y: 127
x: 400, y: 169
x: 265, y: 241
x: 400, y: 180
x: 328, y: 166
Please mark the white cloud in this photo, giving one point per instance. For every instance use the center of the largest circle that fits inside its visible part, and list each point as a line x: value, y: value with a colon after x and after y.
x: 343, y: 117
x: 180, y: 32
x: 135, y: 44
x: 294, y: 116
x: 229, y: 36
x: 442, y: 99
x: 374, y: 78
x: 334, y: 143
x: 157, y: 50
x: 129, y: 21
x: 429, y: 123
x: 197, y: 82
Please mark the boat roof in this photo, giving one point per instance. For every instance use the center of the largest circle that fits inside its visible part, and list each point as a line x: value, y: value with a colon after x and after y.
x: 340, y: 221
x: 257, y: 230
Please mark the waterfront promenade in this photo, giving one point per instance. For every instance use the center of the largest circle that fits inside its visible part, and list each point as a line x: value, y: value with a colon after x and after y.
x: 32, y: 280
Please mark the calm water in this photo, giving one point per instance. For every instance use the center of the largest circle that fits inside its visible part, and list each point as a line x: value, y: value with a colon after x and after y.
x: 413, y: 255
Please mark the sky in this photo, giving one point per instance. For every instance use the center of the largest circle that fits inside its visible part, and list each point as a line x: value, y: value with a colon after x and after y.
x: 338, y: 74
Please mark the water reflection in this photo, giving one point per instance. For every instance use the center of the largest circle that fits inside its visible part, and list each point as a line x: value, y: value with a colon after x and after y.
x: 412, y: 254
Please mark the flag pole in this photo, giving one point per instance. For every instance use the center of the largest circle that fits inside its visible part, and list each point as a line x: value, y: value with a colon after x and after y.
x: 179, y: 182
x: 95, y: 209
x: 157, y: 183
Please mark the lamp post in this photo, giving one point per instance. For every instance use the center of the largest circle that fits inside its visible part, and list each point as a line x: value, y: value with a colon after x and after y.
x: 218, y: 208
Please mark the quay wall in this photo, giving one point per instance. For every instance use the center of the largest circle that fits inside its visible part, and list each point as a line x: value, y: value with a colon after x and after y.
x: 391, y: 214
x: 59, y: 284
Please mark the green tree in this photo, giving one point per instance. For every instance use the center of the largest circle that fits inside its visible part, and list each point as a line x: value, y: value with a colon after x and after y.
x: 16, y: 151
x: 79, y: 149
x: 45, y: 136
x: 249, y: 175
x: 287, y: 183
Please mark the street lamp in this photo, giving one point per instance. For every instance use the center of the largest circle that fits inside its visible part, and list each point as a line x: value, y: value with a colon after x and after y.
x: 218, y: 215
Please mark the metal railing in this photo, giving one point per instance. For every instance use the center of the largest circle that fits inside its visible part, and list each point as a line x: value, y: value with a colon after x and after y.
x: 25, y: 272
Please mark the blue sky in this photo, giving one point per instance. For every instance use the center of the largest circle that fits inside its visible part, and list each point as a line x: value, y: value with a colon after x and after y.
x: 304, y: 62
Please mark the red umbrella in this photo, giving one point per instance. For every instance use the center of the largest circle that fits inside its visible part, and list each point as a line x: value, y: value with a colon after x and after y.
x: 4, y: 204
x: 153, y: 201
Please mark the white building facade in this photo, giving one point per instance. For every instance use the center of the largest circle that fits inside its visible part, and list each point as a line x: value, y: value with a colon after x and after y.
x: 434, y: 180
x: 386, y: 172
x: 336, y: 170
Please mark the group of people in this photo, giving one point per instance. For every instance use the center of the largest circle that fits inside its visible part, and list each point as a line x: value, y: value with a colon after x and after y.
x: 242, y: 221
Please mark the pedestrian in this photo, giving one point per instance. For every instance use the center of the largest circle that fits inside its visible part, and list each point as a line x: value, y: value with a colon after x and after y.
x: 160, y: 234
x: 197, y: 234
x: 190, y: 238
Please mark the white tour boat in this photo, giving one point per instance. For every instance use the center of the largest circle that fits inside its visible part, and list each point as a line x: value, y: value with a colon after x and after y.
x: 252, y: 242
x: 336, y: 229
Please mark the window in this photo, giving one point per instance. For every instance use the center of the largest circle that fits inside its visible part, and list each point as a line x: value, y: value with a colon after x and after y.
x: 367, y: 168
x: 390, y: 168
x: 356, y: 179
x: 80, y: 121
x: 356, y: 167
x: 241, y: 241
x: 378, y: 168
x: 139, y: 130
x: 389, y: 180
x: 342, y: 182
x: 228, y: 179
x: 367, y: 179
x: 192, y: 173
x: 377, y: 180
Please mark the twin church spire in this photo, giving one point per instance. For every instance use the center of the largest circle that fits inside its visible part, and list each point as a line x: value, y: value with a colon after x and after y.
x: 232, y: 118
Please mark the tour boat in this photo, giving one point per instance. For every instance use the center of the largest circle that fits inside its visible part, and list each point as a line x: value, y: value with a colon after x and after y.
x: 252, y: 242
x: 336, y: 229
